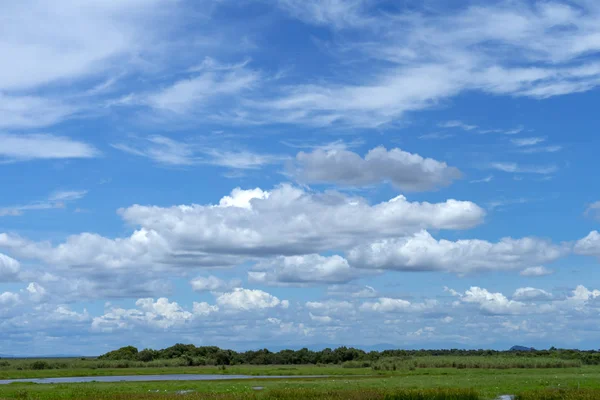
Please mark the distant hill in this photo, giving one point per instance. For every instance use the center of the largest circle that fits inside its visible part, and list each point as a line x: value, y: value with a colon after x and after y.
x: 521, y: 348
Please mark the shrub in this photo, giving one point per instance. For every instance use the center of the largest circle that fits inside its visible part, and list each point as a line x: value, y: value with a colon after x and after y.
x: 39, y: 365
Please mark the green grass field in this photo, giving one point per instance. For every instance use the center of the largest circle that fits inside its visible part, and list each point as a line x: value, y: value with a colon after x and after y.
x: 487, y: 383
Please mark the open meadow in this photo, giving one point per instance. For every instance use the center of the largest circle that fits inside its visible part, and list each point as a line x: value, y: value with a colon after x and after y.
x: 342, y: 373
x: 342, y: 383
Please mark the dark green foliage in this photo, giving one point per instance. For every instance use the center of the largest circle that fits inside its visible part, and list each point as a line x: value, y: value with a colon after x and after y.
x: 40, y: 364
x: 387, y: 360
x: 124, y: 353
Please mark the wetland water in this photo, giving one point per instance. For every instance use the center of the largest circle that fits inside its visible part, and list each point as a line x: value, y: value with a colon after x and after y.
x: 152, y: 378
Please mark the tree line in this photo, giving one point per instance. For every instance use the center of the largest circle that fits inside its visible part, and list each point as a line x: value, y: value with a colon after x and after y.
x: 213, y: 355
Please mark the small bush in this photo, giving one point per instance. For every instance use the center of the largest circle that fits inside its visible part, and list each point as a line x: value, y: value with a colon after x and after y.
x: 39, y: 365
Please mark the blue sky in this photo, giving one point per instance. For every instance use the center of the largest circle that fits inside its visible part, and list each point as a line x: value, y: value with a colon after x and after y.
x: 293, y: 173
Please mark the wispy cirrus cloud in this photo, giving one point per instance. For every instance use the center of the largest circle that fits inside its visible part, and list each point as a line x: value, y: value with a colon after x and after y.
x: 166, y: 151
x: 523, y: 169
x: 55, y: 200
x: 527, y: 141
x: 24, y: 147
x: 418, y: 59
x: 457, y: 124
x: 73, y: 52
x: 593, y: 210
x: 487, y: 179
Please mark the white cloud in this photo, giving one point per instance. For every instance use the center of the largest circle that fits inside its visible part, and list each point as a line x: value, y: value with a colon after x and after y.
x: 167, y: 151
x: 354, y: 291
x: 582, y: 293
x: 246, y: 226
x: 336, y: 13
x: 55, y: 200
x: 589, y: 245
x: 528, y: 141
x: 593, y: 210
x: 331, y: 307
x: 524, y: 169
x: 541, y: 149
x: 75, y: 44
x: 158, y: 314
x: 248, y: 300
x: 8, y: 299
x: 23, y: 147
x: 529, y: 293
x: 210, y: 83
x: 213, y: 284
x: 416, y: 59
x: 321, y: 319
x: 457, y: 124
x: 68, y: 41
x: 301, y: 270
x: 291, y: 220
x: 422, y: 252
x: 404, y: 170
x: 536, y: 271
x: 31, y: 112
x: 9, y: 268
x: 243, y: 198
x: 67, y: 195
x: 391, y: 305
x: 36, y: 292
x: 492, y: 303
x: 436, y: 135
x: 487, y: 179
x: 161, y: 150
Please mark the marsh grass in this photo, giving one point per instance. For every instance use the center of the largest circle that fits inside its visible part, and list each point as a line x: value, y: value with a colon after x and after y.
x: 560, y: 394
x: 278, y: 394
x: 81, y: 365
x: 467, y: 362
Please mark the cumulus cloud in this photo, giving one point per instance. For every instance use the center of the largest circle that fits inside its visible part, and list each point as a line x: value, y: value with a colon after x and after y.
x: 529, y: 293
x: 8, y: 299
x: 36, y: 292
x: 589, y: 245
x: 536, y: 271
x: 9, y: 268
x: 422, y: 252
x: 160, y: 314
x: 353, y: 291
x: 248, y: 300
x: 404, y: 170
x: 492, y: 303
x: 291, y: 220
x: 246, y: 224
x: 529, y: 301
x: 391, y: 305
x: 331, y: 307
x: 302, y: 270
x: 213, y: 284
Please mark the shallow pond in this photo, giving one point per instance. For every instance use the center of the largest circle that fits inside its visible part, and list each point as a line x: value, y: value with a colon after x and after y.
x: 150, y: 378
